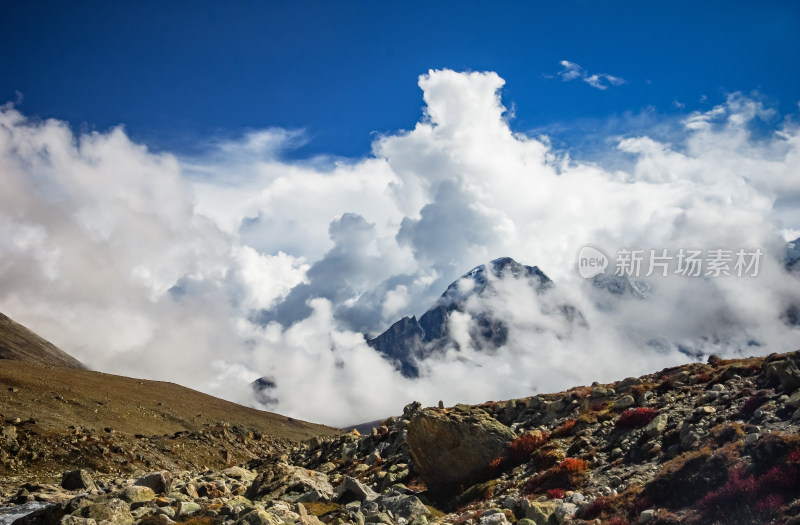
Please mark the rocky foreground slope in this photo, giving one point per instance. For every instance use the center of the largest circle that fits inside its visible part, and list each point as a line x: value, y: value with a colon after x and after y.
x: 703, y: 443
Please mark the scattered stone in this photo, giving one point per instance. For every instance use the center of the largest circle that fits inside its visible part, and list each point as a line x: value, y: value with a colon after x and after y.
x: 159, y: 482
x: 185, y: 508
x: 137, y: 494
x: 624, y: 402
x: 114, y: 510
x: 280, y: 479
x: 539, y: 511
x: 239, y: 473
x: 351, y: 489
x: 77, y: 480
x: 565, y: 511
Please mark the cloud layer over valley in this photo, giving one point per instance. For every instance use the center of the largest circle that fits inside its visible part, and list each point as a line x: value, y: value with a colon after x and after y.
x: 216, y: 269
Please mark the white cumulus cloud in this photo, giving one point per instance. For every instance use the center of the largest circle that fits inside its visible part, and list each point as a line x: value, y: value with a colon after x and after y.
x: 214, y: 270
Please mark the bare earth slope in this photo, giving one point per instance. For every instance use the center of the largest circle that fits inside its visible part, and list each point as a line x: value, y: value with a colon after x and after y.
x: 18, y: 343
x: 57, y: 398
x: 55, y: 415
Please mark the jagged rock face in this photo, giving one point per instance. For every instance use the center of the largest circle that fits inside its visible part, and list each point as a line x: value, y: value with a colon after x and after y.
x: 410, y: 340
x: 399, y: 343
x: 450, y: 447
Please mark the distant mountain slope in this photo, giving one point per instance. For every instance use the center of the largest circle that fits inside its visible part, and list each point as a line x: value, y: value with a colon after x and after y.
x: 54, y: 420
x: 409, y: 340
x: 57, y: 398
x: 18, y: 343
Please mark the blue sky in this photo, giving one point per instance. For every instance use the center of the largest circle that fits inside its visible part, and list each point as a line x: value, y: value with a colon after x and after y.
x: 211, y: 192
x: 178, y: 72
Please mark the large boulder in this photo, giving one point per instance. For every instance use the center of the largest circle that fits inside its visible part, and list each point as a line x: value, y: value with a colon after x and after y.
x: 786, y: 371
x: 455, y: 446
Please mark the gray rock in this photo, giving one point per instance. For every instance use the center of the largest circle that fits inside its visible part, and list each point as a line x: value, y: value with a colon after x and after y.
x: 786, y: 371
x: 565, y: 511
x: 647, y: 516
x: 114, y: 510
x: 158, y: 482
x: 239, y: 473
x: 624, y: 402
x: 492, y: 518
x: 279, y: 479
x: 327, y: 467
x: 510, y: 503
x: 794, y: 400
x: 351, y: 488
x: 75, y: 520
x: 156, y: 519
x: 185, y: 508
x: 407, y: 507
x: 77, y: 480
x: 379, y: 517
x: 679, y: 378
x: 311, y: 496
x: 137, y: 494
x: 372, y: 459
x: 260, y: 517
x: 539, y: 511
x: 657, y: 426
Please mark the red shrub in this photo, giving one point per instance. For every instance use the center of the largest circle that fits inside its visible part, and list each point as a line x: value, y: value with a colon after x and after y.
x: 779, y: 478
x: 565, y: 429
x: 770, y: 504
x: 766, y: 492
x: 752, y: 404
x: 523, y: 446
x: 598, y: 507
x: 794, y: 457
x: 703, y: 377
x: 555, y: 493
x: 740, y: 486
x: 618, y: 521
x: 573, y: 465
x: 597, y: 406
x: 636, y: 417
x: 569, y: 473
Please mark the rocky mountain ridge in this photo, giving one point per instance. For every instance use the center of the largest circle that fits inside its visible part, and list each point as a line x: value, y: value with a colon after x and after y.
x: 714, y: 442
x: 411, y: 340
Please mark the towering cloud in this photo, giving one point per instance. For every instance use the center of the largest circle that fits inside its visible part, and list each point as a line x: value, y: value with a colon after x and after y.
x: 213, y: 270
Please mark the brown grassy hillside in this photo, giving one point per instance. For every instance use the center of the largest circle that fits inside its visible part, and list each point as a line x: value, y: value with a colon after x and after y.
x: 18, y: 343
